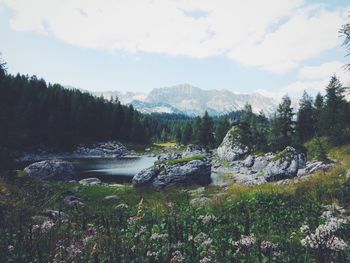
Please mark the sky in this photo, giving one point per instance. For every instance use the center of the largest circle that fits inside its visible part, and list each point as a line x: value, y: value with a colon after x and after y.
x: 274, y: 47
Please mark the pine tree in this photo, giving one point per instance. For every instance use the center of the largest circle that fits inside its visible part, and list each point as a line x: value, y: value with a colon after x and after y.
x: 221, y: 130
x: 306, y: 124
x: 186, y: 134
x: 282, y: 125
x: 334, y: 117
x: 206, y: 136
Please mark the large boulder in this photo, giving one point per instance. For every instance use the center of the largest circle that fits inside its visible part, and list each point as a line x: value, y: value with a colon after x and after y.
x: 166, y: 175
x: 146, y: 176
x: 232, y: 148
x: 51, y: 170
x: 284, y: 165
x: 258, y: 169
x: 193, y: 172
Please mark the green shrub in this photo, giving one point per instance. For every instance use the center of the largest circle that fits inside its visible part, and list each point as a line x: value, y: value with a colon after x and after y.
x: 317, y: 148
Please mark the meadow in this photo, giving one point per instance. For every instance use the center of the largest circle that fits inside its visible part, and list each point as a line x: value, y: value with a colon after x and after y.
x: 306, y: 221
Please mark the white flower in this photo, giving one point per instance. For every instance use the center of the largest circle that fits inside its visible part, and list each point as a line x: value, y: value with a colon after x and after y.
x: 177, y: 257
x: 207, y: 219
x: 304, y: 229
x: 205, y: 260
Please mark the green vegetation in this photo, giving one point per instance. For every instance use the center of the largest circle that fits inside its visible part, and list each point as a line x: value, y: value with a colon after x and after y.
x: 148, y: 226
x: 166, y: 144
x: 181, y: 160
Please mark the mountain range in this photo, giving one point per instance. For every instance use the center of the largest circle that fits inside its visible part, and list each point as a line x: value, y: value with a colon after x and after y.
x: 192, y: 101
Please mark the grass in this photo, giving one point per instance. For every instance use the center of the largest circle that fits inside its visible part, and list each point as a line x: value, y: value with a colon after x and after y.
x: 270, y: 212
x: 166, y: 144
x: 181, y: 160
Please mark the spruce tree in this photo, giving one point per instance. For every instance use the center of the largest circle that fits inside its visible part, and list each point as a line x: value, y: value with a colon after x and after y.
x: 282, y: 125
x: 305, y: 125
x: 206, y: 136
x: 334, y: 117
x: 186, y: 134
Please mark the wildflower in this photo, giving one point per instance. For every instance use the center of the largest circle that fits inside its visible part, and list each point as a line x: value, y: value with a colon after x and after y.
x: 73, y: 251
x: 324, y: 236
x: 269, y: 247
x: 205, y: 260
x: 207, y: 219
x: 176, y: 257
x: 245, y: 241
x: 91, y: 229
x: 10, y: 248
x: 156, y: 236
x: 304, y: 229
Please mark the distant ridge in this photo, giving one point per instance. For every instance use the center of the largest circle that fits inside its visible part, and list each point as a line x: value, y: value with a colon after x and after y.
x: 192, y: 101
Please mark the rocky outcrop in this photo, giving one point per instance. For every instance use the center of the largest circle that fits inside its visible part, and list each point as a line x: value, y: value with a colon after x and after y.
x: 314, y: 166
x: 193, y: 150
x: 55, y: 169
x: 105, y: 149
x: 269, y: 167
x: 90, y: 181
x: 165, y: 175
x: 231, y: 149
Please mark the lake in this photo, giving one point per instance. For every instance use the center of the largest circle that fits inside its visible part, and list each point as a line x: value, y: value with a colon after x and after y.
x: 116, y: 170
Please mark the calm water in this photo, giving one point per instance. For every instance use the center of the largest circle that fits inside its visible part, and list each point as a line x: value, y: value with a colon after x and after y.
x: 115, y: 170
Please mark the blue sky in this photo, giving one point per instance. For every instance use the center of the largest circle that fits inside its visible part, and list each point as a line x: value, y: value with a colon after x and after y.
x: 286, y: 47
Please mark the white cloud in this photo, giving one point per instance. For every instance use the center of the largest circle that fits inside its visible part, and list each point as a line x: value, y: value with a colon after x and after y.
x: 315, y: 79
x: 322, y: 71
x: 274, y: 35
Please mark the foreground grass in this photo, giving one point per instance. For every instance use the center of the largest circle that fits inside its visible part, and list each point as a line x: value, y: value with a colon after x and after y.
x: 173, y: 226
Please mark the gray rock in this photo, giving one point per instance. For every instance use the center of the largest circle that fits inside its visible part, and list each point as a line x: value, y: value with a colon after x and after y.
x: 193, y: 150
x: 72, y: 200
x: 268, y: 167
x: 314, y: 166
x: 169, y: 156
x: 55, y: 214
x: 231, y: 149
x: 284, y: 165
x: 165, y: 175
x: 51, y: 170
x: 249, y: 161
x: 193, y: 172
x: 111, y: 198
x: 90, y: 181
x: 146, y: 176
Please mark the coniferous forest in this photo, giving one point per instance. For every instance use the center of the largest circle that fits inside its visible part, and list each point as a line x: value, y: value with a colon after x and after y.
x: 84, y: 179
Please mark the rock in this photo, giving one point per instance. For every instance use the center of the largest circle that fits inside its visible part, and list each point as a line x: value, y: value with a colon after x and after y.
x: 111, y: 198
x: 40, y: 219
x: 193, y: 150
x: 193, y: 172
x: 165, y: 175
x: 169, y: 156
x: 72, y: 200
x: 314, y: 166
x: 51, y: 170
x: 146, y: 176
x: 231, y: 149
x: 249, y: 161
x: 284, y: 165
x: 90, y: 181
x: 268, y: 167
x: 55, y: 214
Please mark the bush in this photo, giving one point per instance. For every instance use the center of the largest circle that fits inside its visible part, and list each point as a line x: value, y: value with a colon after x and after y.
x: 317, y: 148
